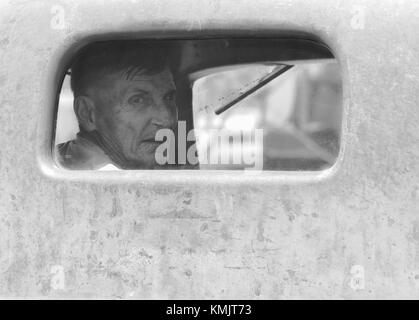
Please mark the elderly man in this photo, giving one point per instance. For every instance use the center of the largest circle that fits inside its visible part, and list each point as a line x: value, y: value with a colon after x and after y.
x: 123, y: 94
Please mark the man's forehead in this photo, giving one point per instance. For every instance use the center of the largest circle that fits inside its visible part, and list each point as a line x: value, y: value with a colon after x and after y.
x: 162, y: 80
x: 118, y: 84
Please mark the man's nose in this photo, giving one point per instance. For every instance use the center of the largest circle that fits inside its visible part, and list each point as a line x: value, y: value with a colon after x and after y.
x: 163, y: 116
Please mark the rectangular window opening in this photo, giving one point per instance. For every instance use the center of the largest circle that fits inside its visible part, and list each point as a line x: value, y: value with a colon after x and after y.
x: 209, y: 104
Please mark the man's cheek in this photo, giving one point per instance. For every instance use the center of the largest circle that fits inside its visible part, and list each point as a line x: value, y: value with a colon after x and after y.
x: 130, y: 134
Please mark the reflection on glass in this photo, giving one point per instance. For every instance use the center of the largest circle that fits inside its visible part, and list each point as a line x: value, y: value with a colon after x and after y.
x: 299, y: 112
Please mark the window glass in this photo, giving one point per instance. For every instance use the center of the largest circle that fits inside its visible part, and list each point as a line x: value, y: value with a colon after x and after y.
x: 200, y: 104
x: 298, y: 115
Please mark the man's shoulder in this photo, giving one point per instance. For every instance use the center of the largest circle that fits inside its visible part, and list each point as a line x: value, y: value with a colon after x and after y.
x: 81, y: 154
x: 65, y: 156
x: 62, y: 148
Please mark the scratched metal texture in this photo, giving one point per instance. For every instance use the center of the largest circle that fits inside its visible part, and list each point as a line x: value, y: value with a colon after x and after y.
x: 220, y: 235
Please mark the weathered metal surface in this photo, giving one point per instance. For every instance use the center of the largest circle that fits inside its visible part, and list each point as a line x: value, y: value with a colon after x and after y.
x: 214, y: 234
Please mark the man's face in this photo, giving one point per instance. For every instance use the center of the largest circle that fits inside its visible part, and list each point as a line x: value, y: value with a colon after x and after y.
x: 138, y: 106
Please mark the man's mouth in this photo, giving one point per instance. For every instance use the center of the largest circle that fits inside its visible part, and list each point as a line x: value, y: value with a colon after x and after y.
x: 149, y: 144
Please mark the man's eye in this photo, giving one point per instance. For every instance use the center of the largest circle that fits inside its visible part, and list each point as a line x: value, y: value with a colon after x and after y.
x: 137, y: 99
x: 170, y: 96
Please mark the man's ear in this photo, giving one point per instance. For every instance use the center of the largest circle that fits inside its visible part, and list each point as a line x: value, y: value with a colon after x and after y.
x: 84, y: 107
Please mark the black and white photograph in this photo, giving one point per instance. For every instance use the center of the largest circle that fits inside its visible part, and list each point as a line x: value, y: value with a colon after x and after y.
x: 209, y: 154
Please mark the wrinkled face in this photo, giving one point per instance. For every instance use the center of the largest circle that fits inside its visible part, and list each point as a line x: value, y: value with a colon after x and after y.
x: 136, y: 108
